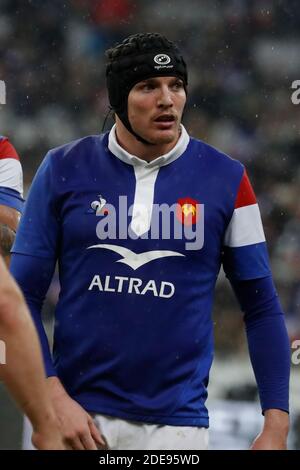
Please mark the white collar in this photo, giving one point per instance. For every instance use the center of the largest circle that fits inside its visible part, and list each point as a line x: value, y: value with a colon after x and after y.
x: 169, y: 157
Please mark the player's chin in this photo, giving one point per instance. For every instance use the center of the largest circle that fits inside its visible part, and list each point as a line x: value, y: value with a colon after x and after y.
x: 164, y: 136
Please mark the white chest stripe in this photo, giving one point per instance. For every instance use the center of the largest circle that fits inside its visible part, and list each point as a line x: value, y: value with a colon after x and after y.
x: 143, y: 199
x: 145, y: 175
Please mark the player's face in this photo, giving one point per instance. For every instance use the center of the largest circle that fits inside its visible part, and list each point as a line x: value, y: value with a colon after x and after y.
x: 155, y: 108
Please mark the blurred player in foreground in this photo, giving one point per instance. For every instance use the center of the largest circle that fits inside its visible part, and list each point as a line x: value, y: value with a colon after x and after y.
x: 140, y: 220
x: 23, y: 373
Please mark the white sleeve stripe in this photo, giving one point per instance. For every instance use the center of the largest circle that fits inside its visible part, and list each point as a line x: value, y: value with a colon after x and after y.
x: 245, y: 227
x: 11, y: 175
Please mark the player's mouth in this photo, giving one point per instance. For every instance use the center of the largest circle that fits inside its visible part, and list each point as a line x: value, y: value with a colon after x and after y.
x: 165, y: 121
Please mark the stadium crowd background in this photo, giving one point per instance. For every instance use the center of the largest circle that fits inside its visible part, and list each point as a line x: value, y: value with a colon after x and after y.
x: 242, y: 58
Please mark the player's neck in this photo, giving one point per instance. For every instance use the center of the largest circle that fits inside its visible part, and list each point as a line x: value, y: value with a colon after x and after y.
x: 146, y: 152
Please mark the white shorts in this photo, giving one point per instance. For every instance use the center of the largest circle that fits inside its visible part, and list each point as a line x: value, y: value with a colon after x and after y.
x: 133, y: 435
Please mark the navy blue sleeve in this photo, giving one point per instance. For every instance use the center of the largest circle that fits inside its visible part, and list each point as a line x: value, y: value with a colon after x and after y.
x: 268, y: 340
x: 34, y: 274
x: 38, y: 232
x: 11, y: 198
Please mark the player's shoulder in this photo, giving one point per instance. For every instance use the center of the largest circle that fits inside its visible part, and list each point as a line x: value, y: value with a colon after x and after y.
x: 215, y: 158
x: 77, y: 148
x: 7, y: 150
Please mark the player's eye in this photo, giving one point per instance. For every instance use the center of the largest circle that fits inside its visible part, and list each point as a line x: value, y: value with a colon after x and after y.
x: 178, y: 85
x: 148, y: 86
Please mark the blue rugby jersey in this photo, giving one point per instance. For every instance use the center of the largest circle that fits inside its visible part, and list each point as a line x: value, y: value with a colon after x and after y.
x: 133, y: 333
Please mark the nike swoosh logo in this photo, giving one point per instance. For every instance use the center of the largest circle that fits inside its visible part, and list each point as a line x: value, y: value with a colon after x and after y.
x: 136, y: 260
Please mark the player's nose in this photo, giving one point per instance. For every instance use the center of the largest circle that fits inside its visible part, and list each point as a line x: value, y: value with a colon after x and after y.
x: 165, y: 96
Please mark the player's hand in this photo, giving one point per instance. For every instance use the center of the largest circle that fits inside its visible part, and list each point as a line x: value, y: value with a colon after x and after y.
x: 49, y: 436
x: 78, y: 428
x: 269, y: 441
x: 275, y: 432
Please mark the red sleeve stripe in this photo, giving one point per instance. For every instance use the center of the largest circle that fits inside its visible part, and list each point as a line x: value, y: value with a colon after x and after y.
x: 7, y: 150
x: 245, y: 195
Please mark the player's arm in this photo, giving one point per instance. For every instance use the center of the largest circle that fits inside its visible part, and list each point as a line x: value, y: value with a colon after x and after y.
x: 269, y: 351
x: 246, y: 265
x: 22, y: 370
